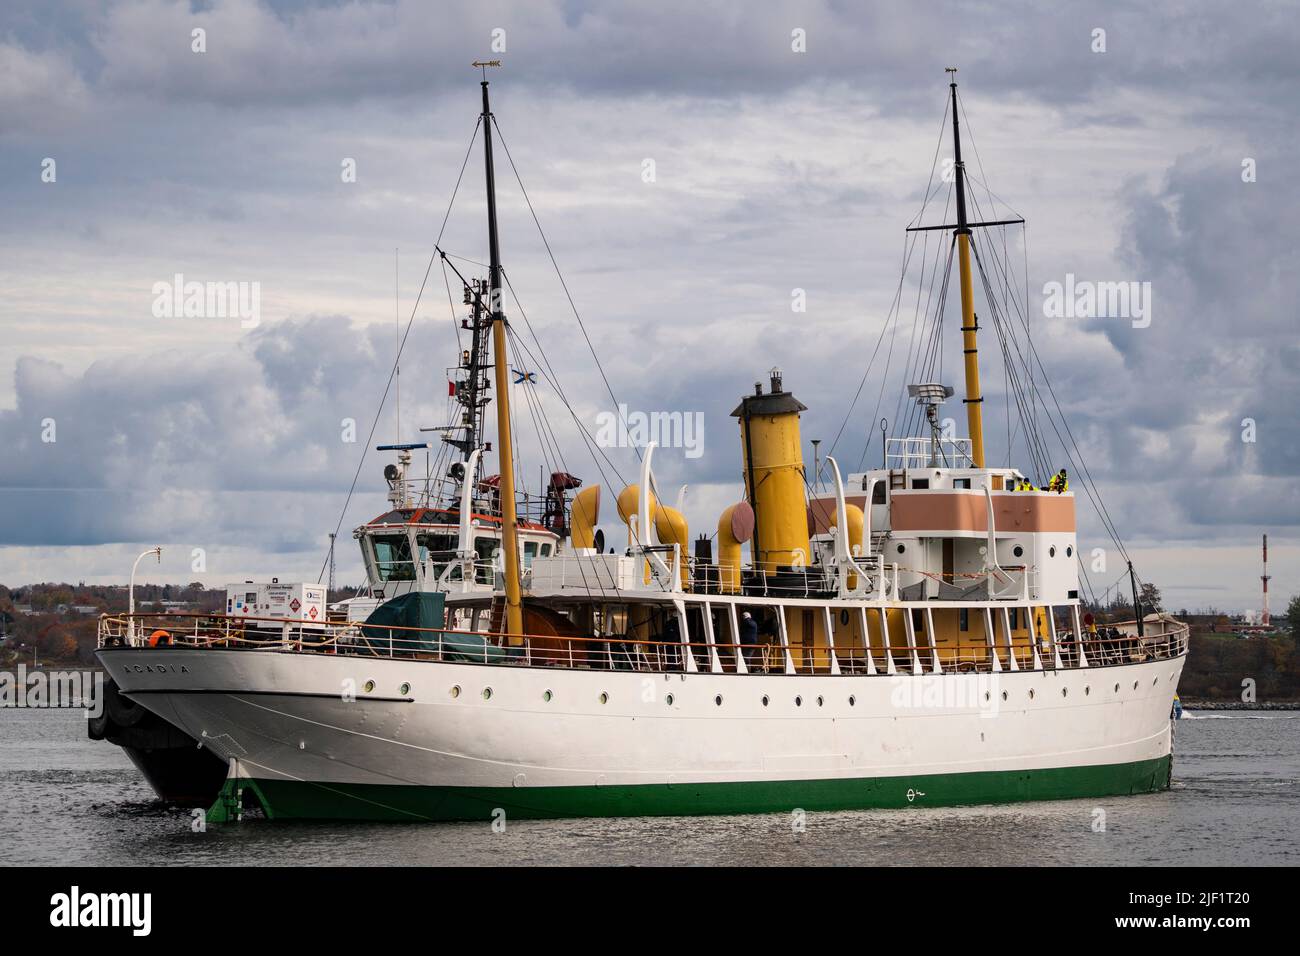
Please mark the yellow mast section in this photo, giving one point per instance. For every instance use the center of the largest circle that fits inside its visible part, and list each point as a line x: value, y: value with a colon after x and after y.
x: 974, y: 400
x: 500, y: 370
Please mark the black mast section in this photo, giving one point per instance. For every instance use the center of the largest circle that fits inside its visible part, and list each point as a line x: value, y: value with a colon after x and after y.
x: 494, y: 248
x: 959, y: 168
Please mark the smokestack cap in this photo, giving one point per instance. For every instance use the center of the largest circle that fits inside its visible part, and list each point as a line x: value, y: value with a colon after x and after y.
x: 776, y: 402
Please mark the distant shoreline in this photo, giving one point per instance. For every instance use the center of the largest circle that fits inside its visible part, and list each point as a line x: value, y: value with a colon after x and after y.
x: 1191, y: 704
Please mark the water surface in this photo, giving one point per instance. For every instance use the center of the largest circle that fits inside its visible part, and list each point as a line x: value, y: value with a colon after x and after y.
x: 65, y: 799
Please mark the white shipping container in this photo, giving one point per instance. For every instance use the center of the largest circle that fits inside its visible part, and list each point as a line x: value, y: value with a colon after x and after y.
x: 279, y: 602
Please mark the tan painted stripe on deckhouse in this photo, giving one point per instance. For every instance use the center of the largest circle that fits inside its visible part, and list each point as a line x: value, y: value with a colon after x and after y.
x: 961, y: 511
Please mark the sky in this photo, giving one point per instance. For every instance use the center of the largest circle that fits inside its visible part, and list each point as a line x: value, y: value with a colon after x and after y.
x: 691, y: 166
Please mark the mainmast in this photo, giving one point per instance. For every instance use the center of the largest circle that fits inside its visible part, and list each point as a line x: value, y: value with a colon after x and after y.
x: 969, y: 327
x: 974, y: 400
x: 497, y: 318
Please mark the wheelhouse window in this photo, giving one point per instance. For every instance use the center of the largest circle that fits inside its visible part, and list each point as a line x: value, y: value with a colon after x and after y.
x: 438, y: 549
x: 392, y: 555
x: 485, y: 560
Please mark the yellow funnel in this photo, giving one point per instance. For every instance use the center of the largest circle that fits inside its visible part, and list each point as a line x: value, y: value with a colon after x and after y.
x: 774, y: 475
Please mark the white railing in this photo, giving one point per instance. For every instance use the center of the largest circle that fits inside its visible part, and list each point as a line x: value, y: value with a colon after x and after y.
x: 920, y: 452
x: 1067, y: 647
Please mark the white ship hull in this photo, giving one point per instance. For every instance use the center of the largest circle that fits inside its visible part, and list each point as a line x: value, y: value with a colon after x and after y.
x: 437, y: 740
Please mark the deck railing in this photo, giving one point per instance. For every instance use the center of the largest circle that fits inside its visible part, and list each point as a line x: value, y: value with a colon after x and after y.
x: 1163, y: 638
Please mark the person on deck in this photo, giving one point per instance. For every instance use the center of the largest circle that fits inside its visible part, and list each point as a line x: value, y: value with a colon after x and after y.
x: 671, y: 638
x: 1060, y: 483
x: 748, y: 638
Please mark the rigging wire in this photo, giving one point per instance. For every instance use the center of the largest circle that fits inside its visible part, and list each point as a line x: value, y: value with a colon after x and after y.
x: 414, y: 309
x: 572, y: 305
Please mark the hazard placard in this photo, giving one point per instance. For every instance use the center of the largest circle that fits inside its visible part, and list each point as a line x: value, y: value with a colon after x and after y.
x: 294, y: 605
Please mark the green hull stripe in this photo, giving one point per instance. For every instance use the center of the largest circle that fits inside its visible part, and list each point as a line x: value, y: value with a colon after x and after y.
x: 287, y: 799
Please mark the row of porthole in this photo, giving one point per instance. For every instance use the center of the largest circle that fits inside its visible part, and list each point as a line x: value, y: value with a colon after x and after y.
x: 1018, y: 551
x: 403, y: 690
x: 548, y: 695
x: 1087, y: 689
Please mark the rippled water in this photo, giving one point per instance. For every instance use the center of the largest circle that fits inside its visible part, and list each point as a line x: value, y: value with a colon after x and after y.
x: 1236, y: 800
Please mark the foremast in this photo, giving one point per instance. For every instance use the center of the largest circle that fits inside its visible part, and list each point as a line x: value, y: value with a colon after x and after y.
x: 497, y: 319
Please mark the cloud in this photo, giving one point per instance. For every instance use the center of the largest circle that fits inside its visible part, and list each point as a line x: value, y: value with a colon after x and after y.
x: 774, y: 171
x: 41, y: 91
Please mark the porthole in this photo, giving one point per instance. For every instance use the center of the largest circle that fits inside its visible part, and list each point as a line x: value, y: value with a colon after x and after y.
x: 604, y: 697
x: 1069, y: 551
x: 1031, y: 693
x: 1051, y: 552
x: 987, y: 695
x: 487, y: 693
x: 404, y: 689
x: 669, y: 700
x: 1135, y: 685
x: 901, y: 549
x: 1065, y: 691
x: 820, y: 702
x: 798, y: 701
x: 1117, y: 688
x: 370, y: 686
x: 1004, y: 695
x: 852, y: 700
x: 455, y: 691
x: 1086, y: 690
x: 547, y: 695
x: 718, y: 700
x: 1154, y: 681
x: 844, y: 618
x: 1018, y: 551
x: 765, y: 700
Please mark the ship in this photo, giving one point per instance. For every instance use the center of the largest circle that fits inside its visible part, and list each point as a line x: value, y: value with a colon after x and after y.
x: 908, y: 635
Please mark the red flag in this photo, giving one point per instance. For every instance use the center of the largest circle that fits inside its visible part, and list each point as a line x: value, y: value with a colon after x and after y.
x: 451, y: 389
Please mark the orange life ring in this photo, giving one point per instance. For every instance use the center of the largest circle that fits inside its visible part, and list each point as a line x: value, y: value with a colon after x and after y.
x: 159, y: 637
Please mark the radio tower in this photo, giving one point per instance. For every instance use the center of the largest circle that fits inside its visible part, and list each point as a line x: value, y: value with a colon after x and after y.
x: 1264, y: 577
x: 332, y: 587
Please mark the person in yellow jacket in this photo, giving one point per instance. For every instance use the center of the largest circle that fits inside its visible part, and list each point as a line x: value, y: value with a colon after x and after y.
x: 1060, y: 483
